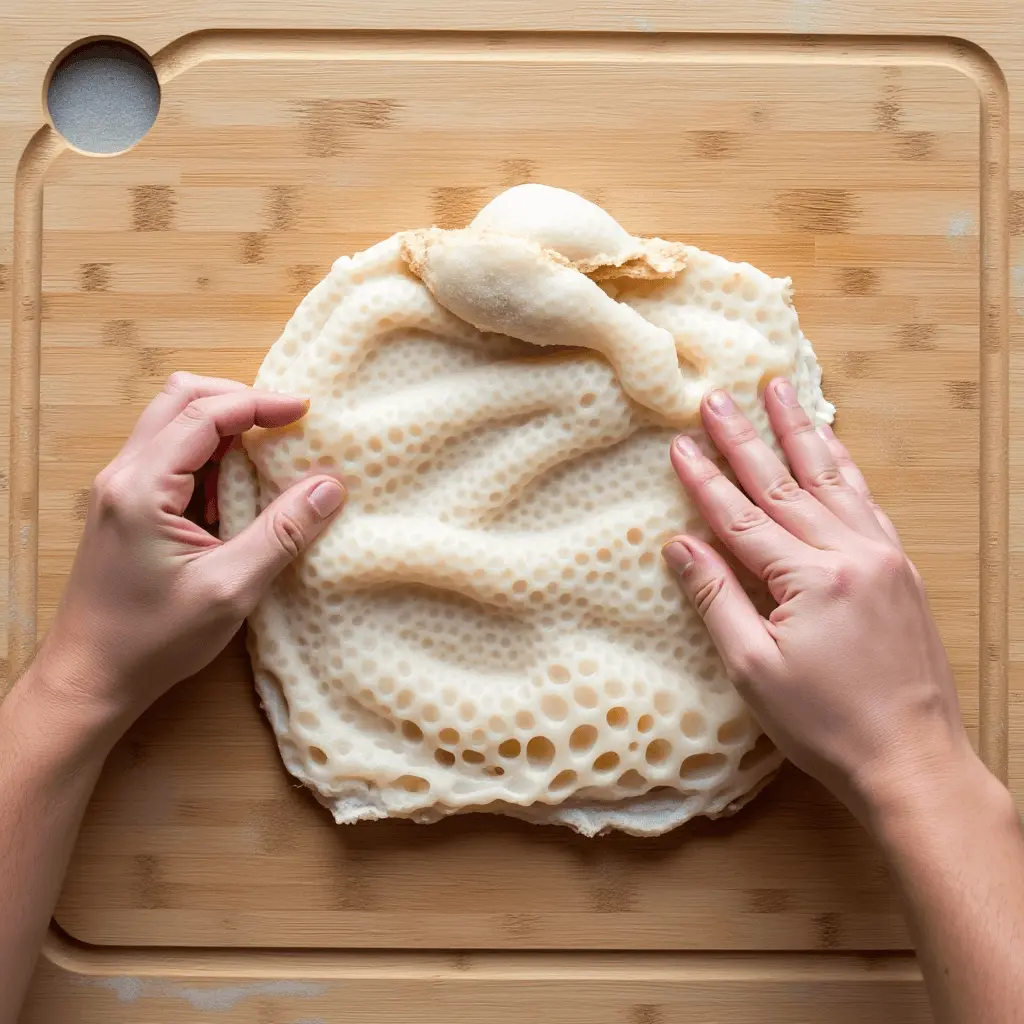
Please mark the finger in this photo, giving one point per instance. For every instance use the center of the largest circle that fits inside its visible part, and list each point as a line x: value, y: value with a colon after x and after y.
x: 855, y: 479
x: 180, y: 389
x: 744, y: 643
x: 888, y: 528
x: 193, y: 436
x: 759, y: 542
x: 248, y: 563
x: 765, y: 478
x: 222, y: 449
x: 813, y: 463
x: 851, y: 473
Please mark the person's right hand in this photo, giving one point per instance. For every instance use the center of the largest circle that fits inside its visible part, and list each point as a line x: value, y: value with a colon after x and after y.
x: 847, y: 675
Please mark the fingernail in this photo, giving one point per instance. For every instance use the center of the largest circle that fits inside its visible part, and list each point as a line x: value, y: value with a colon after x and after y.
x: 326, y: 497
x: 826, y: 432
x: 720, y: 403
x: 677, y: 555
x: 786, y: 393
x: 687, y: 447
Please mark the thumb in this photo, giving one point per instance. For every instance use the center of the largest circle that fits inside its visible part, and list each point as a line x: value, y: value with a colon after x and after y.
x: 282, y: 532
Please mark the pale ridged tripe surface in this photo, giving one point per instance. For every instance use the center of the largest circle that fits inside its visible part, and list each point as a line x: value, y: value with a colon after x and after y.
x: 489, y: 624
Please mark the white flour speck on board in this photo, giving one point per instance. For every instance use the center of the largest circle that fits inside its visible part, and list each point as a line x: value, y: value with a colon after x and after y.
x: 127, y: 990
x: 223, y: 997
x: 645, y: 24
x: 960, y: 224
x: 226, y: 997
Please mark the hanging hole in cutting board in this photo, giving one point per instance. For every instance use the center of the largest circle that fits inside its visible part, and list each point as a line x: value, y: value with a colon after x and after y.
x: 103, y: 96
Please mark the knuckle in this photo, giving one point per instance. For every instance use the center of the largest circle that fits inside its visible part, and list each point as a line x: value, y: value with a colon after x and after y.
x: 746, y: 665
x: 287, y: 534
x: 179, y: 381
x: 783, y: 489
x: 882, y: 568
x: 795, y: 426
x: 706, y: 472
x: 748, y: 520
x: 742, y: 431
x: 195, y: 413
x: 891, y: 564
x: 776, y: 573
x: 109, y: 491
x: 828, y: 479
x: 707, y: 593
x: 842, y: 580
x: 226, y: 597
x: 101, y: 482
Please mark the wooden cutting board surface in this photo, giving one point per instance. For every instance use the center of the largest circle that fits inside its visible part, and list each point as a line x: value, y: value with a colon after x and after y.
x: 189, y: 259
x: 874, y: 171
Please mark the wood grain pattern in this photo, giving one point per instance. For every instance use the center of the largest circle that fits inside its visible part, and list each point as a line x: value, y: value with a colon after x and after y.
x: 871, y: 183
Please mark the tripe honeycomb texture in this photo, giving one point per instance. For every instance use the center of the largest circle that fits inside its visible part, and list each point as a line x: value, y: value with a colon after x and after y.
x: 489, y: 624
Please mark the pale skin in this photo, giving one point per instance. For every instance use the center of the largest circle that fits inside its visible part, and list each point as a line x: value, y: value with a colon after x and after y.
x: 847, y: 675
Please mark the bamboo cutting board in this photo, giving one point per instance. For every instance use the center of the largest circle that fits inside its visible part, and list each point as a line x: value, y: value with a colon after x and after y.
x: 873, y: 170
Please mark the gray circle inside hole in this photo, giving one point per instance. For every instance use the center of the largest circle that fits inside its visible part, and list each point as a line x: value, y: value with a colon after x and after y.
x: 103, y: 97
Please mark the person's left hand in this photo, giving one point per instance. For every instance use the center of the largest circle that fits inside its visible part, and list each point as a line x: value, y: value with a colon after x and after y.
x: 152, y: 597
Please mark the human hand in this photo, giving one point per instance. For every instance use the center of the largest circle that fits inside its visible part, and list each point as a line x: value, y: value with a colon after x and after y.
x: 152, y: 597
x: 847, y: 675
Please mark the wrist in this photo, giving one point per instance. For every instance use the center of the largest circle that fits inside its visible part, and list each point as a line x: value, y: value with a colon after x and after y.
x: 61, y: 695
x: 960, y: 793
x: 47, y: 745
